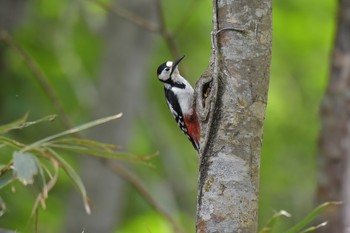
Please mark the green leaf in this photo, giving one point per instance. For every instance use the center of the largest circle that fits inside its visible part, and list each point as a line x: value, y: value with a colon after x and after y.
x: 6, y: 178
x: 10, y: 142
x: 274, y: 220
x: 22, y: 123
x: 107, y: 153
x: 13, y: 125
x: 86, y: 143
x: 74, y: 177
x: 25, y: 167
x: 29, y: 123
x: 311, y: 216
x: 92, y: 151
x: 313, y: 228
x: 72, y: 131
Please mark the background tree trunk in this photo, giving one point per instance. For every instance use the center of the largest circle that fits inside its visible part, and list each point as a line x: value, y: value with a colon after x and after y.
x: 12, y: 13
x: 121, y: 89
x: 334, y: 142
x: 232, y: 134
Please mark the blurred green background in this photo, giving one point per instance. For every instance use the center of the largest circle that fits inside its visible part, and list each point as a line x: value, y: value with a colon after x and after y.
x: 79, y: 45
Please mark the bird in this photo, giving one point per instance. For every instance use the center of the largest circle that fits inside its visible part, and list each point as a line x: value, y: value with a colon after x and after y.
x: 179, y: 96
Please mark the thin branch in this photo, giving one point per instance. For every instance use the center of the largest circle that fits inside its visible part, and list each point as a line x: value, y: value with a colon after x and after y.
x: 143, y: 23
x: 40, y: 77
x: 142, y: 190
x: 160, y: 15
x: 130, y: 16
x: 165, y: 33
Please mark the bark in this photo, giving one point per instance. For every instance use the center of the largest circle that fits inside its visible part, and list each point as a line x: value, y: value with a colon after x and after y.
x: 334, y: 142
x: 120, y: 89
x: 232, y: 130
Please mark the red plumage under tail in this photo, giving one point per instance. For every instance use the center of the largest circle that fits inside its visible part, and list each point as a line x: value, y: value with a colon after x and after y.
x: 193, y: 129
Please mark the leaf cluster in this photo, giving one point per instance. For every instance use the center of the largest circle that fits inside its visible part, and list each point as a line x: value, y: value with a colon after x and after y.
x: 302, y: 225
x: 41, y: 161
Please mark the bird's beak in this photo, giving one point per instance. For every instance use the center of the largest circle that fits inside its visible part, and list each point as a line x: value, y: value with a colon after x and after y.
x: 175, y: 64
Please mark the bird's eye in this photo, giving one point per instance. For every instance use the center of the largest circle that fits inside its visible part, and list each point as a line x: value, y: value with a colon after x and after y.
x: 167, y: 69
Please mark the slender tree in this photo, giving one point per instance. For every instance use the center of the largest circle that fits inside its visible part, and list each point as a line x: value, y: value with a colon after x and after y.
x: 334, y: 142
x: 231, y: 101
x: 119, y: 81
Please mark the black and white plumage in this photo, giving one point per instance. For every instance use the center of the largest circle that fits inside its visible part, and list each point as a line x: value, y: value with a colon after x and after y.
x: 179, y: 95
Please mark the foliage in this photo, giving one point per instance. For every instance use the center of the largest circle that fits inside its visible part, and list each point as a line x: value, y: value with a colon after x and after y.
x: 30, y: 162
x: 299, y: 227
x: 273, y: 221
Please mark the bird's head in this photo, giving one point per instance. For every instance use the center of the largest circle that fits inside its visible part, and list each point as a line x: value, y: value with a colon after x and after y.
x: 166, y: 70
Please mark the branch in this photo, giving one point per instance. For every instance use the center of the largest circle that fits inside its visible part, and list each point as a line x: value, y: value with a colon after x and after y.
x: 130, y: 16
x: 143, y: 23
x: 40, y: 77
x: 142, y: 190
x: 167, y: 35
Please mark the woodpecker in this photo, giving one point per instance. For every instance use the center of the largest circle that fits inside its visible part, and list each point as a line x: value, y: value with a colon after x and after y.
x: 179, y: 96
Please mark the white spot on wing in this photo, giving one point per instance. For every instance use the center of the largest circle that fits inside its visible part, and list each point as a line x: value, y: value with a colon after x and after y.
x: 175, y: 114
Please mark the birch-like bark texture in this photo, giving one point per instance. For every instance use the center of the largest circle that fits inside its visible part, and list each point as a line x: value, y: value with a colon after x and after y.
x: 334, y: 142
x: 231, y: 101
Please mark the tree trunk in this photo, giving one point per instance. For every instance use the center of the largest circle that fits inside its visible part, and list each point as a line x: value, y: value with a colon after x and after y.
x: 334, y: 142
x: 12, y: 13
x: 232, y: 130
x: 121, y: 89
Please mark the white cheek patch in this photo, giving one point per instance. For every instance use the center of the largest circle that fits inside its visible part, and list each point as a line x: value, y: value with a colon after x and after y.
x: 169, y: 64
x: 164, y: 76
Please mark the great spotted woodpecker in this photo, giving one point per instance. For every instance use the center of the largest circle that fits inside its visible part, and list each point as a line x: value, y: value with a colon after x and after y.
x: 179, y: 96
